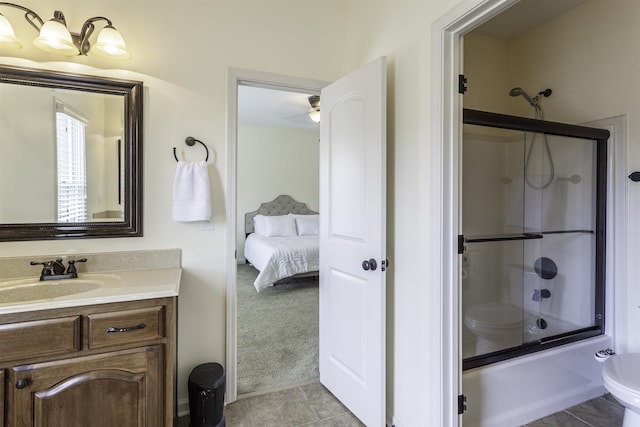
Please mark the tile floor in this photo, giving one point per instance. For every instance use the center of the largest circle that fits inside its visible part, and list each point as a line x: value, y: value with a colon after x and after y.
x: 313, y: 406
x: 602, y: 411
x: 309, y: 405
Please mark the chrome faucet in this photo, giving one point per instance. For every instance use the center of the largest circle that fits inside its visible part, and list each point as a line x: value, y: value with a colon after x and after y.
x: 55, y: 270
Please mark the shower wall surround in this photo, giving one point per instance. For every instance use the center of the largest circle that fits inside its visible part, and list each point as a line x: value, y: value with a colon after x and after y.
x: 532, y: 249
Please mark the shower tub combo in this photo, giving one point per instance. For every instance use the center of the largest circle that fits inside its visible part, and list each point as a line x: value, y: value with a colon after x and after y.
x: 532, y: 253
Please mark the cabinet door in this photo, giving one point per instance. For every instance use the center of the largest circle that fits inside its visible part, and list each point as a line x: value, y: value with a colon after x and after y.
x: 114, y: 389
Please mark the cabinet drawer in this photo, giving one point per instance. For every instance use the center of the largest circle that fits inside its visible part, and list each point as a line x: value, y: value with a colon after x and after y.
x: 121, y: 327
x: 40, y: 338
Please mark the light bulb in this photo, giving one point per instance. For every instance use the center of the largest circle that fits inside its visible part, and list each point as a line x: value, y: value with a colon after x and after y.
x: 110, y: 44
x: 314, y: 114
x: 8, y: 38
x: 55, y: 38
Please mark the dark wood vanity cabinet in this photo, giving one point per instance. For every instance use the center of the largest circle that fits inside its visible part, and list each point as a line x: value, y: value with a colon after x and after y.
x: 106, y: 365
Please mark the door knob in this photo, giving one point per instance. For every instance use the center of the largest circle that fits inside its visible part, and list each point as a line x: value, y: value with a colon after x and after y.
x: 635, y: 176
x: 21, y: 384
x: 370, y: 264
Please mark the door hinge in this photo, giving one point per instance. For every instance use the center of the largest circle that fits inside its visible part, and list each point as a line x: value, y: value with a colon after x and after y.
x: 462, y: 404
x: 461, y: 246
x: 462, y: 84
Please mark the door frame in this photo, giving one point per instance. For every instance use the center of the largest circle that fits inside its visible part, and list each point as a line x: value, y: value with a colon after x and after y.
x: 235, y: 78
x: 446, y: 123
x: 446, y: 120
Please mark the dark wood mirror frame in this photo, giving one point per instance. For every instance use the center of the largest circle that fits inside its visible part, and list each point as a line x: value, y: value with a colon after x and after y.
x: 131, y: 92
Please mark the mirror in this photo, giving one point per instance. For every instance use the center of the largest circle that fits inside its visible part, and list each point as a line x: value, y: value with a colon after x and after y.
x: 70, y: 156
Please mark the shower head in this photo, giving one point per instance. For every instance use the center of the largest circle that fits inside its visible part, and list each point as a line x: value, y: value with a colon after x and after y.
x: 518, y: 91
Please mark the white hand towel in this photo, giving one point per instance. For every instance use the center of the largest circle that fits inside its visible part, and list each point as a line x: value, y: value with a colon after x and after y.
x: 191, y: 193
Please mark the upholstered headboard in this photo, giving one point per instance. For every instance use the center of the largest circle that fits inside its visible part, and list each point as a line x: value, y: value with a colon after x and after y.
x: 281, y: 205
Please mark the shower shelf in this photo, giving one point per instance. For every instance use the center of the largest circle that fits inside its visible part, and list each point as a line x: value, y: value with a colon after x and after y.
x: 502, y: 237
x: 523, y: 236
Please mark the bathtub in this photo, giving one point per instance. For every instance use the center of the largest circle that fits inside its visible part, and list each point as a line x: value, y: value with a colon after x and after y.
x: 520, y: 390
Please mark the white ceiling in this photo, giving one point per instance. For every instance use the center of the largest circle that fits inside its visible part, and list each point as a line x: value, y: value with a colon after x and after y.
x: 274, y: 108
x: 525, y: 16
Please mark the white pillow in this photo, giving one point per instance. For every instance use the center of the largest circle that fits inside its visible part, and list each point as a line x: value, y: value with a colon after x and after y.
x: 279, y: 226
x: 307, y: 225
x: 258, y: 224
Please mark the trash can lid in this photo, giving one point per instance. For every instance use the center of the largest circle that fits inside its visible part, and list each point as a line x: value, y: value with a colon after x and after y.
x: 208, y: 375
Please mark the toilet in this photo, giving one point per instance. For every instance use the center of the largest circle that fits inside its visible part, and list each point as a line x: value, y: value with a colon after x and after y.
x: 621, y: 377
x: 496, y: 325
x: 501, y: 325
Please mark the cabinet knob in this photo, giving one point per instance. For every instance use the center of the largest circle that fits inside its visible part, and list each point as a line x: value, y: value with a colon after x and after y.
x: 21, y: 384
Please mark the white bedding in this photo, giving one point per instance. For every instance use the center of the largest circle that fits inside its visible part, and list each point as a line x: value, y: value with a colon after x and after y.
x: 280, y: 257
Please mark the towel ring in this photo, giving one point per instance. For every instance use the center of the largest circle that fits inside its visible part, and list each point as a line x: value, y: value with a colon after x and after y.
x: 191, y: 141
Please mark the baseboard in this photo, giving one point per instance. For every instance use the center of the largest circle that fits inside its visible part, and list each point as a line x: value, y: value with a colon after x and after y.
x: 183, y: 407
x: 183, y: 404
x: 278, y: 388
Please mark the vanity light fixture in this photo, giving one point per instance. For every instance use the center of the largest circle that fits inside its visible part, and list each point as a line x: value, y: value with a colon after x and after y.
x: 54, y: 36
x: 314, y: 111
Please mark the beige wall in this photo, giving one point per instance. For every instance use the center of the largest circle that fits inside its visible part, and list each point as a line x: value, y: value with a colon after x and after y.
x: 23, y: 139
x: 486, y: 67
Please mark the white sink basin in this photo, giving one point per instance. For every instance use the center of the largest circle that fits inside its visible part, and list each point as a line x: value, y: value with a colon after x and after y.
x: 30, y: 294
x: 24, y: 290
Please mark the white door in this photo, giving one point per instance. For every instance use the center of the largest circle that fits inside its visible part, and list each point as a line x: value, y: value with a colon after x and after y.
x: 352, y: 241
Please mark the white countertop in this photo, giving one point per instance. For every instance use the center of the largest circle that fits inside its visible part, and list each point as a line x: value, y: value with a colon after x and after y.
x: 116, y: 286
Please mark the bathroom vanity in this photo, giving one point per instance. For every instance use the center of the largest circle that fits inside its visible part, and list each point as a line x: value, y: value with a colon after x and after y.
x: 102, y: 357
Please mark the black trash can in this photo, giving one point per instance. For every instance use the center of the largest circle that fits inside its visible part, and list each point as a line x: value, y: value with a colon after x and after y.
x: 206, y: 395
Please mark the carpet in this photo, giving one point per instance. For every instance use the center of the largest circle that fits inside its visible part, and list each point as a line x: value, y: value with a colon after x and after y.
x: 277, y: 332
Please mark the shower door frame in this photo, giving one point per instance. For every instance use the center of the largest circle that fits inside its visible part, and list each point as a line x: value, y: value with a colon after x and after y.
x: 600, y: 136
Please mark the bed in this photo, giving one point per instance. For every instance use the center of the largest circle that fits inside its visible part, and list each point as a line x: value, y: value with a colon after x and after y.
x: 282, y: 241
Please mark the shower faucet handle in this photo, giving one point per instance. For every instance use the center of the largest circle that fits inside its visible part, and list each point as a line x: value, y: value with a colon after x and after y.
x: 539, y: 294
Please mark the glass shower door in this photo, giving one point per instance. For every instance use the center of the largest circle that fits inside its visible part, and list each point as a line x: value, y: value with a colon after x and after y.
x: 567, y: 259
x: 532, y: 240
x: 492, y: 265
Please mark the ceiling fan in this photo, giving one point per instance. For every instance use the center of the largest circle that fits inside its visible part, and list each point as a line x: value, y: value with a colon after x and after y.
x: 300, y: 108
x: 314, y: 111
